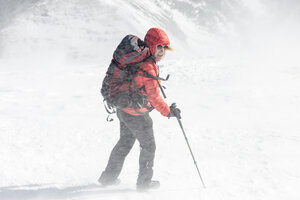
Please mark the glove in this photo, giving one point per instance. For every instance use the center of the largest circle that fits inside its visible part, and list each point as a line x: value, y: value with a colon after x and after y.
x: 174, y: 112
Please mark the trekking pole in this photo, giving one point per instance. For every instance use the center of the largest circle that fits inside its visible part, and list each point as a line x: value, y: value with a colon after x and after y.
x: 186, y: 139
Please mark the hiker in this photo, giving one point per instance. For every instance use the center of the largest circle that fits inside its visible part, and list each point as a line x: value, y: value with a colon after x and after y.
x: 136, y: 123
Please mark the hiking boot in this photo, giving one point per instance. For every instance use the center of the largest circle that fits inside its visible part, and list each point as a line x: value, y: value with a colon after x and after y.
x: 109, y: 182
x: 105, y: 180
x: 147, y: 186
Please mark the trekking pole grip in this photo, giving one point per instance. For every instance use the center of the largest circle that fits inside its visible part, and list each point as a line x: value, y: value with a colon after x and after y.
x: 173, y: 105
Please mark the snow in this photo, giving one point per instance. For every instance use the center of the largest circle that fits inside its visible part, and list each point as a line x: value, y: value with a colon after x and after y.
x: 239, y: 101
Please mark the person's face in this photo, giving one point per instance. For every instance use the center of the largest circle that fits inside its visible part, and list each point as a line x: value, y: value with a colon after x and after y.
x: 160, y: 52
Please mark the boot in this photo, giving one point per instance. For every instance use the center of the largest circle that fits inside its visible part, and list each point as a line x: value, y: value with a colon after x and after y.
x: 106, y: 181
x: 148, y: 185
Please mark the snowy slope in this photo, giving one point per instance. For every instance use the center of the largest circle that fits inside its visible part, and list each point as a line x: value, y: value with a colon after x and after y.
x: 77, y: 30
x: 240, y: 110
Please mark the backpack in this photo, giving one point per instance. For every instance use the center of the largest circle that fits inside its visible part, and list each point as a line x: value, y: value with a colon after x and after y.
x: 119, y: 89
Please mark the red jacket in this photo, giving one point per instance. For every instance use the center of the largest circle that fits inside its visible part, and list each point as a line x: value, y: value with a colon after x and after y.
x: 154, y: 37
x: 152, y: 90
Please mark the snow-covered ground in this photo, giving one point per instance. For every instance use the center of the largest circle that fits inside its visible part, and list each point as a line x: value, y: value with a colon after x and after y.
x: 240, y: 108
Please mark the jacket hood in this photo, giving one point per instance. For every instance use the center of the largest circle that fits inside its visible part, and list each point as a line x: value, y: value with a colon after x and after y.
x: 154, y: 37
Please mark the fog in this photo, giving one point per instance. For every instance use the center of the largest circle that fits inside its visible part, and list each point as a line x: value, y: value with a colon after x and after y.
x: 265, y: 32
x: 234, y: 74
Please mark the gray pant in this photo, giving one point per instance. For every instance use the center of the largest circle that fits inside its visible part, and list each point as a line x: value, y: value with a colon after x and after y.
x: 131, y: 128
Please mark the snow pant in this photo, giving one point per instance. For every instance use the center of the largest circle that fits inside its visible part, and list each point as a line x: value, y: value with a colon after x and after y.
x: 132, y: 127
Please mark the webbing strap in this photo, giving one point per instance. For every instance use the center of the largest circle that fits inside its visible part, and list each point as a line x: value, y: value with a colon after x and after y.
x: 157, y: 78
x: 138, y: 90
x: 111, y: 111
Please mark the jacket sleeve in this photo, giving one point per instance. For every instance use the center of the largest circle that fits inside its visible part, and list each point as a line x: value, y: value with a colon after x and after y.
x: 152, y: 91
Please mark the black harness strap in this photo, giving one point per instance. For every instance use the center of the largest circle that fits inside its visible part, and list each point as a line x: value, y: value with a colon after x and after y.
x: 157, y: 78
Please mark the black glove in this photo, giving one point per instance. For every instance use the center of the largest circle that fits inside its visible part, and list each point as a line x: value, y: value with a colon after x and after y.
x: 174, y: 112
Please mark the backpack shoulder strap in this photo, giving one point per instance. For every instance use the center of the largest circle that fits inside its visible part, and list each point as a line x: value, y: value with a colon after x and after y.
x: 157, y: 78
x: 147, y: 75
